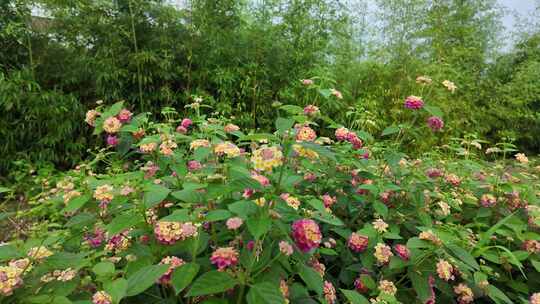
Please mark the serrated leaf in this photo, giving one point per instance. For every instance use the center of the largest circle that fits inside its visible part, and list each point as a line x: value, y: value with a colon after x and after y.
x: 211, y: 282
x: 154, y: 194
x: 258, y: 226
x: 312, y: 278
x: 4, y: 189
x: 354, y: 297
x: 486, y: 237
x: 8, y: 252
x: 243, y: 208
x: 536, y: 265
x: 264, y: 293
x: 103, y: 269
x: 317, y: 204
x: 76, y: 203
x: 420, y: 285
x: 284, y: 124
x: 123, y: 222
x: 292, y: 109
x: 188, y: 195
x: 217, y: 215
x: 380, y: 208
x: 390, y: 130
x: 144, y: 278
x: 183, y: 275
x: 117, y: 289
x: 434, y: 110
x: 498, y: 296
x: 181, y: 215
x: 463, y: 255
x: 328, y: 218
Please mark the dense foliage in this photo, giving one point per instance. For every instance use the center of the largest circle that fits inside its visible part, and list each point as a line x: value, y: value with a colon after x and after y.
x: 197, y: 210
x: 244, y: 55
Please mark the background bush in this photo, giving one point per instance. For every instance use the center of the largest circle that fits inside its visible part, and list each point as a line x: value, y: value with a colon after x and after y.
x: 242, y: 56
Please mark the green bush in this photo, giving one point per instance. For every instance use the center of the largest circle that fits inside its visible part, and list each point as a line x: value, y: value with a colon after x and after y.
x: 199, y: 210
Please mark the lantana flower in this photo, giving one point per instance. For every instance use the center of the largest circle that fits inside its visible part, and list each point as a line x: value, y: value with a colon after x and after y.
x: 306, y: 234
x: 224, y: 257
x: 266, y: 158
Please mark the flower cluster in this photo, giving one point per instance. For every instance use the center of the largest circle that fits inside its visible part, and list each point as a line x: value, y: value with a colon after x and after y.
x: 357, y: 242
x: 101, y: 297
x: 414, y: 103
x: 224, y: 257
x: 266, y: 158
x: 435, y: 123
x: 291, y: 201
x: 350, y: 136
x: 104, y: 193
x: 228, y: 149
x: 306, y: 234
x: 305, y: 133
x: 383, y: 253
x: 10, y: 279
x: 171, y: 232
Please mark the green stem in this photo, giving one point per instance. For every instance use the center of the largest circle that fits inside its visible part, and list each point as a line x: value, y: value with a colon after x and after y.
x: 240, y: 298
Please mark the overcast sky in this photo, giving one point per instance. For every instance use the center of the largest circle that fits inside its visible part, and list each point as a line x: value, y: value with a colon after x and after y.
x: 522, y: 7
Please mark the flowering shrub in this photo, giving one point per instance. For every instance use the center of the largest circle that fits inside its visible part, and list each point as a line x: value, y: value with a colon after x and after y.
x: 194, y: 210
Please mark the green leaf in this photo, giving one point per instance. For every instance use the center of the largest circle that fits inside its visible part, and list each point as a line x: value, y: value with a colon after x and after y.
x: 183, y: 275
x: 217, y: 215
x: 154, y: 194
x: 103, y: 269
x: 123, y: 222
x: 188, y: 195
x: 485, y: 237
x: 117, y: 289
x: 463, y: 255
x: 211, y: 282
x: 81, y: 220
x: 4, y: 189
x: 327, y: 251
x: 417, y: 243
x: 328, y: 218
x: 246, y: 182
x: 264, y: 293
x: 258, y: 137
x: 292, y: 109
x: 180, y: 215
x: 76, y: 203
x: 144, y: 278
x: 317, y: 204
x: 497, y: 295
x: 397, y: 263
x: 258, y: 226
x: 243, y: 208
x: 312, y: 278
x: 420, y: 285
x: 284, y: 124
x: 380, y: 208
x: 354, y: 297
x: 8, y: 252
x: 434, y: 110
x: 536, y: 265
x: 202, y: 153
x: 325, y: 92
x: 390, y: 130
x: 113, y: 110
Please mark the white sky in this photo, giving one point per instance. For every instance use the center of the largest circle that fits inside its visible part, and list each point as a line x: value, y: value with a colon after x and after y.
x: 522, y: 7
